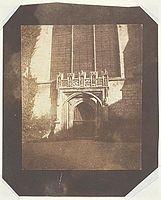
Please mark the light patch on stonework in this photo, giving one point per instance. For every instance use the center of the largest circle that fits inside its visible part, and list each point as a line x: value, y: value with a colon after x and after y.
x: 123, y: 40
x: 123, y: 36
x: 42, y: 101
x: 115, y: 93
x: 40, y: 69
x: 41, y: 59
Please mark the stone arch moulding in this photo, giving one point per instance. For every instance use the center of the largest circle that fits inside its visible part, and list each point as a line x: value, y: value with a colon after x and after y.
x: 76, y: 182
x: 65, y: 109
x: 79, y: 93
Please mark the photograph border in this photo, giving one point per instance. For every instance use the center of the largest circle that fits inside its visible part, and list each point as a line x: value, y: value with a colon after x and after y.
x: 78, y: 183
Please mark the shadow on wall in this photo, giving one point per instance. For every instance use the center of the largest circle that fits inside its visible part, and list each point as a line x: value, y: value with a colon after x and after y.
x: 125, y: 116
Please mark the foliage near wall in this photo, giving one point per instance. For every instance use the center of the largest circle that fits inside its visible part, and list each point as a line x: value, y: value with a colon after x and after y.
x: 29, y: 36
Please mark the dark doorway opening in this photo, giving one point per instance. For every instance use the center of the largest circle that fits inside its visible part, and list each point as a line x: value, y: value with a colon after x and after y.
x: 84, y: 124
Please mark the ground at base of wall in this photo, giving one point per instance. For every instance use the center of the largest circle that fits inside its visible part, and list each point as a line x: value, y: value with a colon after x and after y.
x: 81, y: 155
x: 117, y: 130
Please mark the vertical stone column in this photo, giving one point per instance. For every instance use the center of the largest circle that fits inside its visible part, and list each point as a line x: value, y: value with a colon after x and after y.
x: 105, y: 113
x: 72, y: 50
x: 94, y: 47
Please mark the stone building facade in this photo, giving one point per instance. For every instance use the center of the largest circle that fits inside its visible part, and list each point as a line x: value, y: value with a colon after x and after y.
x: 91, y: 76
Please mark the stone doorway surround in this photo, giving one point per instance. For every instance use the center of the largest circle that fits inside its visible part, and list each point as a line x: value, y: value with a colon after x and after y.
x: 72, y: 91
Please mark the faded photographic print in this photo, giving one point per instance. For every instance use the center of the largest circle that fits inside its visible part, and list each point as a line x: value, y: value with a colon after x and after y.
x: 81, y: 90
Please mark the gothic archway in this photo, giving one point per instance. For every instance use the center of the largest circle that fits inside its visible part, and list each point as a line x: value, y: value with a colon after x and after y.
x: 79, y: 101
x: 84, y: 122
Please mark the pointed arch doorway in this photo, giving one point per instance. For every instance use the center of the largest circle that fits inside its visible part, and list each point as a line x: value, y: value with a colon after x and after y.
x: 84, y: 123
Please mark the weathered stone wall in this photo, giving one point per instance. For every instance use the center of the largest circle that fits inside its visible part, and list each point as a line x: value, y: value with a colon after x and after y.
x: 130, y: 106
x: 83, y: 48
x: 60, y: 50
x: 124, y: 60
x: 107, y: 49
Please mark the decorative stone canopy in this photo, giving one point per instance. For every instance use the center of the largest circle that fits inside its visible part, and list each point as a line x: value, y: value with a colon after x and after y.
x: 82, y: 81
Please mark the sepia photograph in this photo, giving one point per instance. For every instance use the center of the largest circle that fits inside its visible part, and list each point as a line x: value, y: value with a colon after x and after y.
x: 81, y: 92
x: 80, y: 100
